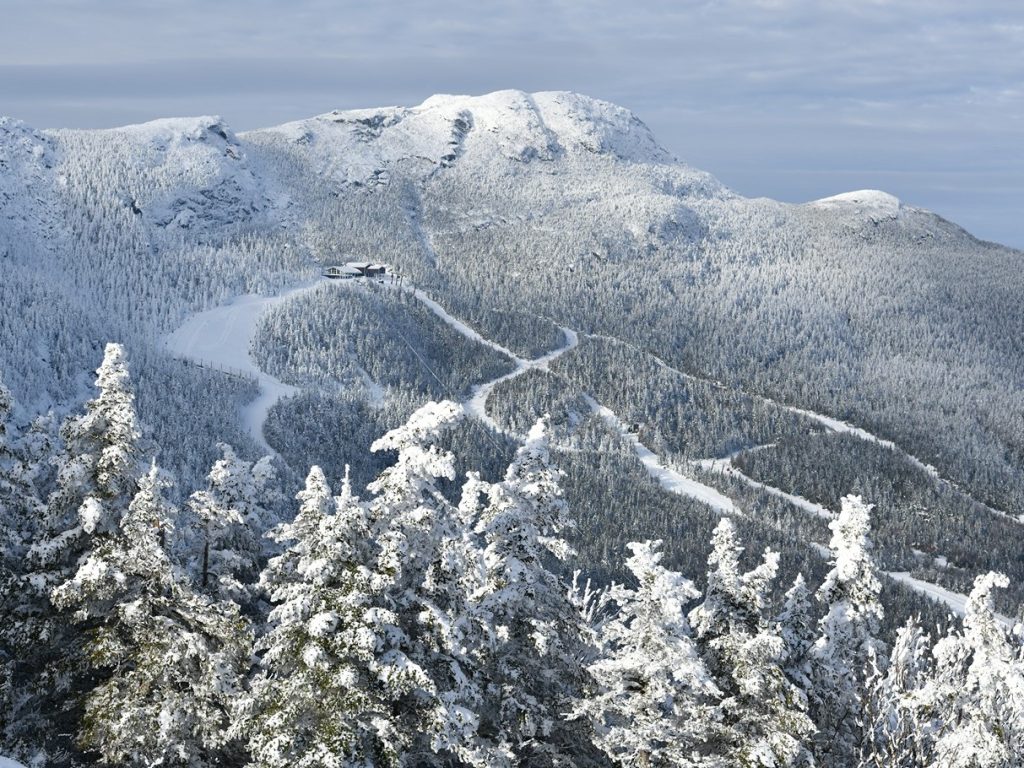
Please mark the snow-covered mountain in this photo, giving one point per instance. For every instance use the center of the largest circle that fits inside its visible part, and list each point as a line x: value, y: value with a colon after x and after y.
x: 522, y: 214
x: 804, y: 379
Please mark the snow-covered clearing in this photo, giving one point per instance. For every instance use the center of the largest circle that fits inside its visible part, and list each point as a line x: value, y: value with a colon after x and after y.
x: 956, y: 602
x: 222, y: 336
x: 667, y: 478
x: 6, y: 762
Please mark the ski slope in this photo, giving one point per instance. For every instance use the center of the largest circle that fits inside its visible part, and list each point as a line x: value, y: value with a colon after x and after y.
x: 223, y: 336
x: 476, y: 405
x: 667, y: 478
x: 727, y: 468
x: 956, y: 602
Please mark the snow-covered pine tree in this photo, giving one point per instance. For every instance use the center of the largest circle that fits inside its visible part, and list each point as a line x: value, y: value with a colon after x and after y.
x: 332, y: 679
x: 798, y: 630
x: 227, y: 548
x: 169, y: 661
x: 898, y: 729
x: 533, y: 642
x: 760, y: 718
x: 96, y: 473
x: 95, y: 479
x: 847, y: 648
x: 977, y: 692
x: 420, y: 540
x: 652, y: 703
x: 20, y: 509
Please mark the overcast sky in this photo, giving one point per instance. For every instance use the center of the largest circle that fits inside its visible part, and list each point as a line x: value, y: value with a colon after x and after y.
x: 791, y: 99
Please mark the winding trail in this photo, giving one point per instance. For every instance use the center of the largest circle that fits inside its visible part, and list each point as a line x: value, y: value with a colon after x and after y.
x: 476, y: 404
x: 727, y: 468
x: 223, y: 336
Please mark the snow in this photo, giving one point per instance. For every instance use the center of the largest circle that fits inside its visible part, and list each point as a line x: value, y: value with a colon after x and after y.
x: 461, y: 327
x: 955, y: 601
x: 870, y: 199
x: 835, y: 425
x: 838, y: 426
x: 6, y: 762
x: 726, y: 467
x: 222, y: 337
x: 476, y: 405
x: 669, y: 479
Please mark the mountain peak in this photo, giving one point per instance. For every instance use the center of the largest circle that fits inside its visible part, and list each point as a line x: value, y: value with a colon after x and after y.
x: 868, y: 199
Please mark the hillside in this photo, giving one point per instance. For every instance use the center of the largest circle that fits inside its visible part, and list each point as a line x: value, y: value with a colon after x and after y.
x: 708, y: 323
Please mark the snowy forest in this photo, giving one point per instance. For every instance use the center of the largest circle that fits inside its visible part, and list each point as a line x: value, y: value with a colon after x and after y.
x: 419, y: 627
x: 614, y: 466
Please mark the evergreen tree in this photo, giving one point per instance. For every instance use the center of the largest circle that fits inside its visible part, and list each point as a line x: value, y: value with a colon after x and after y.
x: 94, y: 481
x: 760, y: 717
x: 653, y: 699
x: 169, y: 662
x: 332, y: 676
x: 20, y: 508
x: 227, y: 548
x: 96, y: 472
x: 978, y: 688
x: 798, y: 630
x: 532, y: 657
x: 421, y: 548
x: 847, y: 647
x: 899, y: 732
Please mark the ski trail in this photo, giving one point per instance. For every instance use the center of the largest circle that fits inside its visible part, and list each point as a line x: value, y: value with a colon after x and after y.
x: 223, y: 335
x: 677, y: 483
x: 727, y: 468
x: 829, y: 423
x: 843, y: 427
x: 956, y: 602
x: 476, y: 404
x: 669, y: 479
x: 462, y: 328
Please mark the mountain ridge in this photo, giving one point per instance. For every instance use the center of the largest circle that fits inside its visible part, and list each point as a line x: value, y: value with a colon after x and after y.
x: 561, y: 119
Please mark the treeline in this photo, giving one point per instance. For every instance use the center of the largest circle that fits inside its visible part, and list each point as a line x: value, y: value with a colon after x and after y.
x: 410, y: 628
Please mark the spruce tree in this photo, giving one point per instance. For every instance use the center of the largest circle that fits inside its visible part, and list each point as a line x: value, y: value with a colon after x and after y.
x: 20, y: 509
x: 95, y: 479
x: 760, y: 717
x: 847, y: 647
x: 899, y: 730
x: 652, y: 703
x: 798, y: 630
x: 533, y: 644
x: 169, y: 661
x: 977, y: 692
x: 421, y: 551
x: 332, y: 677
x: 226, y: 543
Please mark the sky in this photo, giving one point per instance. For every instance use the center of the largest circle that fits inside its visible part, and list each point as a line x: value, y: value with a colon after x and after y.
x: 790, y: 99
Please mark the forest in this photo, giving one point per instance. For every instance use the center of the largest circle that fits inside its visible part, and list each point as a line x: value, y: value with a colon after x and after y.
x: 415, y: 626
x: 846, y: 379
